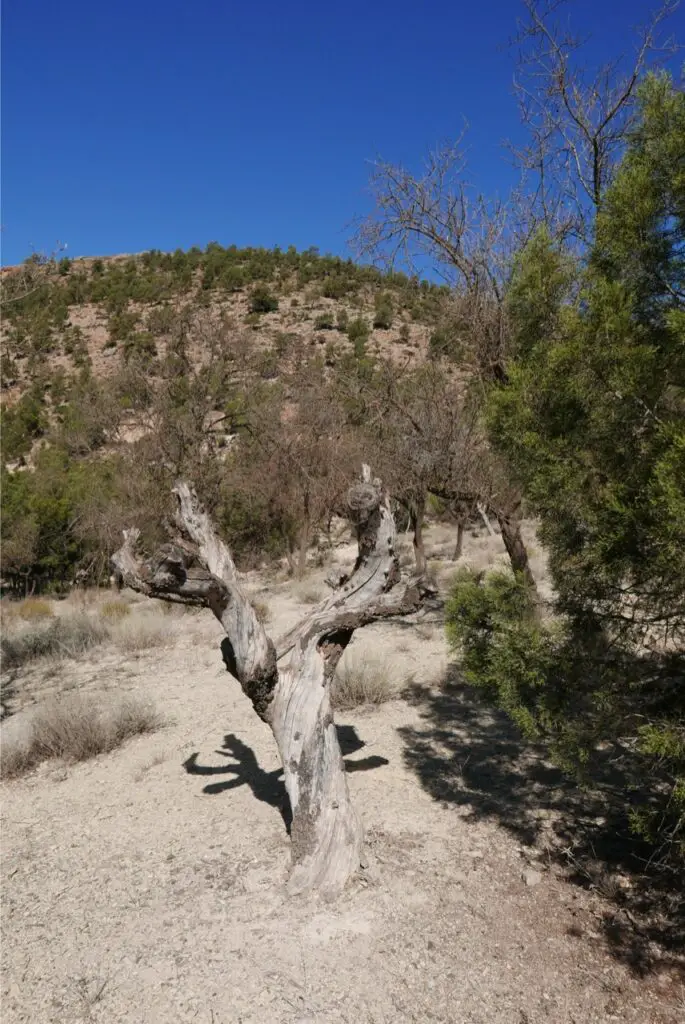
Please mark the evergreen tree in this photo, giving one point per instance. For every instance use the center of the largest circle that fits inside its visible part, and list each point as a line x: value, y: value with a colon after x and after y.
x: 592, y: 420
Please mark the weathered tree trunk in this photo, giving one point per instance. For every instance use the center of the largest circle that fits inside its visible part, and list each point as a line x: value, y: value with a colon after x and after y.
x: 510, y: 525
x: 293, y: 699
x: 459, y: 546
x: 417, y: 512
x: 482, y: 512
x: 303, y: 539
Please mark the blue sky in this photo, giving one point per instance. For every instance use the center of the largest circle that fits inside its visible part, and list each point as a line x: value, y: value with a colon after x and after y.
x: 157, y: 124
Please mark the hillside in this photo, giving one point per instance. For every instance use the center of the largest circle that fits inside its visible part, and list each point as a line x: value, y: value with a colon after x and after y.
x: 67, y: 315
x: 121, y: 374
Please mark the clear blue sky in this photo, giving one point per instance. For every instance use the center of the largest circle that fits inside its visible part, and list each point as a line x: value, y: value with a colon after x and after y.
x: 155, y: 124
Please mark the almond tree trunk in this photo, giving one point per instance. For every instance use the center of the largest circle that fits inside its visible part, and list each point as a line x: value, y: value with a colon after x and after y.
x: 510, y: 525
x: 459, y: 545
x: 302, y: 549
x: 289, y: 683
x: 417, y: 512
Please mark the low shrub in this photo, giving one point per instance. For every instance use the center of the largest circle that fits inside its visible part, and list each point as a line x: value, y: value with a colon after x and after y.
x: 262, y: 301
x: 358, y: 331
x: 63, y: 637
x: 503, y: 650
x: 325, y: 321
x: 73, y: 728
x: 142, y: 632
x: 383, y: 311
x: 115, y: 610
x: 32, y: 608
x: 361, y: 681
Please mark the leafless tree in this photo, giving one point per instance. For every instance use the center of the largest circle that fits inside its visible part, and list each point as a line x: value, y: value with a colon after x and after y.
x: 288, y: 681
x: 298, y: 454
x: 578, y: 118
x: 425, y: 435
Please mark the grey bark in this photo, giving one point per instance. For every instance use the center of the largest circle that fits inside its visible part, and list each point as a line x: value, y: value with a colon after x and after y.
x: 482, y: 512
x: 417, y: 512
x: 459, y: 545
x: 289, y: 682
x: 510, y: 525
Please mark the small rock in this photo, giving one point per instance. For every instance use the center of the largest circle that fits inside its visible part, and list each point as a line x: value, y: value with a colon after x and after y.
x: 532, y: 877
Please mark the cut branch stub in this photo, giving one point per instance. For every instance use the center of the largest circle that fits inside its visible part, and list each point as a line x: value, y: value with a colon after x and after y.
x: 294, y: 700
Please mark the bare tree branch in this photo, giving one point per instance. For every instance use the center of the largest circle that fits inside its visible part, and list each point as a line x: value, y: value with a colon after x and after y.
x: 578, y: 119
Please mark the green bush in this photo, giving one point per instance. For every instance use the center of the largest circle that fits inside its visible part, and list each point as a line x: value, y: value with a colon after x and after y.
x: 160, y: 320
x: 21, y: 425
x: 504, y: 651
x: 232, y: 279
x: 262, y: 301
x: 42, y: 517
x: 578, y: 694
x: 252, y: 526
x: 383, y: 311
x: 122, y: 325
x: 358, y: 332
x: 336, y: 287
x: 325, y: 321
x: 140, y: 346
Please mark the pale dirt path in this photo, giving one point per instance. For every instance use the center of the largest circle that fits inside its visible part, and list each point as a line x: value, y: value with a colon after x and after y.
x: 130, y: 895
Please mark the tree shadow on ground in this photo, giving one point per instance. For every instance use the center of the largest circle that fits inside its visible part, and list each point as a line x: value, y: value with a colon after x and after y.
x: 469, y: 755
x: 269, y: 786
x: 8, y: 693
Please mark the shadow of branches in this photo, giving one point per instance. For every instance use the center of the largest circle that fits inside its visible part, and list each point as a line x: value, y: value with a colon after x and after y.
x: 468, y: 754
x: 243, y: 769
x: 8, y: 693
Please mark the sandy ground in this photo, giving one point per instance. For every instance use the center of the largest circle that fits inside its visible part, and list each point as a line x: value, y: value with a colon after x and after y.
x: 147, y: 885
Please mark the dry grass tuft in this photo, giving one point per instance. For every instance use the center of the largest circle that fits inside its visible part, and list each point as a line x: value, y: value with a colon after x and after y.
x: 364, y: 681
x: 115, y: 610
x: 310, y: 595
x: 139, y: 633
x: 72, y: 634
x: 63, y: 637
x: 34, y: 608
x: 73, y: 729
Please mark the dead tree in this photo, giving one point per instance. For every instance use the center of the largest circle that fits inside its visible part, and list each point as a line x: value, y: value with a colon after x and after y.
x: 289, y: 681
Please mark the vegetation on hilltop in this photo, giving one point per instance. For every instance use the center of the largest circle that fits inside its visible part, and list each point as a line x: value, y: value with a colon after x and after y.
x: 137, y: 294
